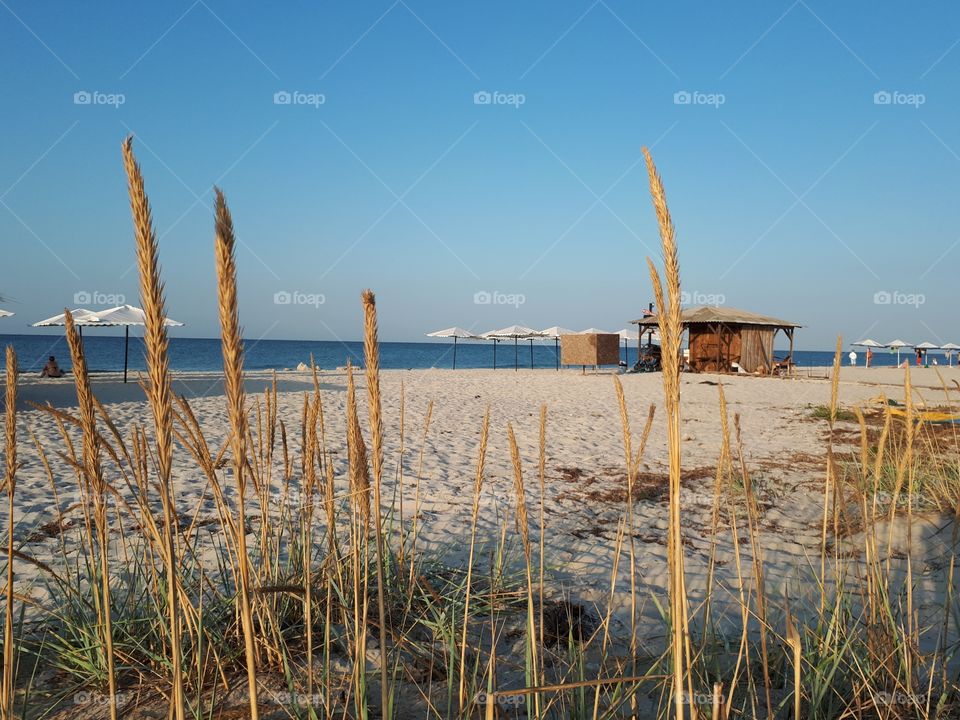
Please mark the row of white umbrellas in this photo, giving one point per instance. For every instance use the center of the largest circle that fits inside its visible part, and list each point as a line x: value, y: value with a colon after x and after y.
x: 519, y: 332
x: 898, y: 345
x: 123, y: 316
x: 525, y: 333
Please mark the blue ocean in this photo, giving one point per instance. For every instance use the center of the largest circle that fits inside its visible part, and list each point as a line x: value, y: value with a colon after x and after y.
x: 105, y: 353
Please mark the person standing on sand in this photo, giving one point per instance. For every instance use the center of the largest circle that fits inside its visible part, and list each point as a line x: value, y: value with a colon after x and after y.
x: 869, y: 356
x: 853, y: 358
x: 919, y: 358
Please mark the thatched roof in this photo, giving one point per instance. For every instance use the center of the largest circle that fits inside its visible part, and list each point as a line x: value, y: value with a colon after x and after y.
x: 727, y: 315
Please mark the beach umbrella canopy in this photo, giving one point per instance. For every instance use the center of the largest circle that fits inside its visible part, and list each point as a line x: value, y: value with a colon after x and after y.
x: 81, y: 316
x: 951, y: 348
x: 897, y: 345
x: 594, y: 331
x: 516, y: 332
x: 556, y: 331
x: 125, y: 316
x: 5, y: 313
x: 627, y: 334
x: 869, y: 343
x: 453, y: 332
x: 926, y: 346
x: 120, y: 316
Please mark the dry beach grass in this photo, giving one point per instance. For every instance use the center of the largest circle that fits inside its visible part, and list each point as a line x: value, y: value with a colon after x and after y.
x: 270, y: 567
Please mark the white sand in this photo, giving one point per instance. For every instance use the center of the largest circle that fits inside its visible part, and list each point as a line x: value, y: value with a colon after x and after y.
x: 784, y: 450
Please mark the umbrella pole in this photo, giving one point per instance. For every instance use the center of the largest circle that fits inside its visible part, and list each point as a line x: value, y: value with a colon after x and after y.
x: 126, y: 350
x: 454, y: 352
x: 516, y: 356
x: 531, y: 353
x: 494, y: 353
x: 556, y: 343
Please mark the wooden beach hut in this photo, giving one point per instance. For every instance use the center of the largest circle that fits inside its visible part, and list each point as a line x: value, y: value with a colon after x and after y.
x: 719, y: 337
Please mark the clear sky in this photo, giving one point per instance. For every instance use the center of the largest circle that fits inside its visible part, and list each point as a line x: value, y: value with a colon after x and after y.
x: 451, y: 153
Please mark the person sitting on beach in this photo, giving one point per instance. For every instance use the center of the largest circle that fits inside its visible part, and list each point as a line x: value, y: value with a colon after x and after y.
x: 51, y: 369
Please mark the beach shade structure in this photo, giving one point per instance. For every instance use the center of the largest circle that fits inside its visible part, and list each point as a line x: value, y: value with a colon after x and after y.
x: 594, y: 331
x: 626, y: 334
x: 455, y: 333
x: 120, y: 316
x: 81, y: 317
x: 4, y: 313
x: 951, y: 348
x: 869, y: 344
x: 516, y: 332
x: 125, y: 316
x: 555, y: 332
x: 898, y: 345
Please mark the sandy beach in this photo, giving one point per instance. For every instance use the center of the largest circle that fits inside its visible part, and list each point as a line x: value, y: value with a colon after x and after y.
x: 784, y: 450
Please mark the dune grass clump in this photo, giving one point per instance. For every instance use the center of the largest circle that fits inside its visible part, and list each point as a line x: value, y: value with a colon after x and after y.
x: 305, y: 593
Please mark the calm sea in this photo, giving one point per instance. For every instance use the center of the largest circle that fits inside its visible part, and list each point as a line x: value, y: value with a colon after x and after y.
x: 105, y: 353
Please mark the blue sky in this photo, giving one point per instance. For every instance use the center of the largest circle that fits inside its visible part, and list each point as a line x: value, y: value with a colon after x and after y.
x: 796, y: 189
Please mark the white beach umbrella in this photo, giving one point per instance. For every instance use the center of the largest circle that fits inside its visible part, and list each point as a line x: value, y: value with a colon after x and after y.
x: 595, y: 331
x: 516, y: 332
x: 926, y: 346
x: 951, y: 348
x: 897, y: 345
x: 453, y: 332
x: 555, y: 332
x: 869, y: 343
x: 125, y: 316
x: 120, y: 316
x: 4, y: 313
x: 81, y: 316
x: 626, y: 334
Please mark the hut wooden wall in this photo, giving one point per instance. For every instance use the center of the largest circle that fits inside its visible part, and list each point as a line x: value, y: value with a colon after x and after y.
x: 713, y: 347
x: 756, y: 348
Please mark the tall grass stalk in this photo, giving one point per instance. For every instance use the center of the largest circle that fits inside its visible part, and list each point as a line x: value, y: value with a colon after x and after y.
x: 159, y: 396
x: 10, y: 486
x: 232, y: 347
x: 671, y: 330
